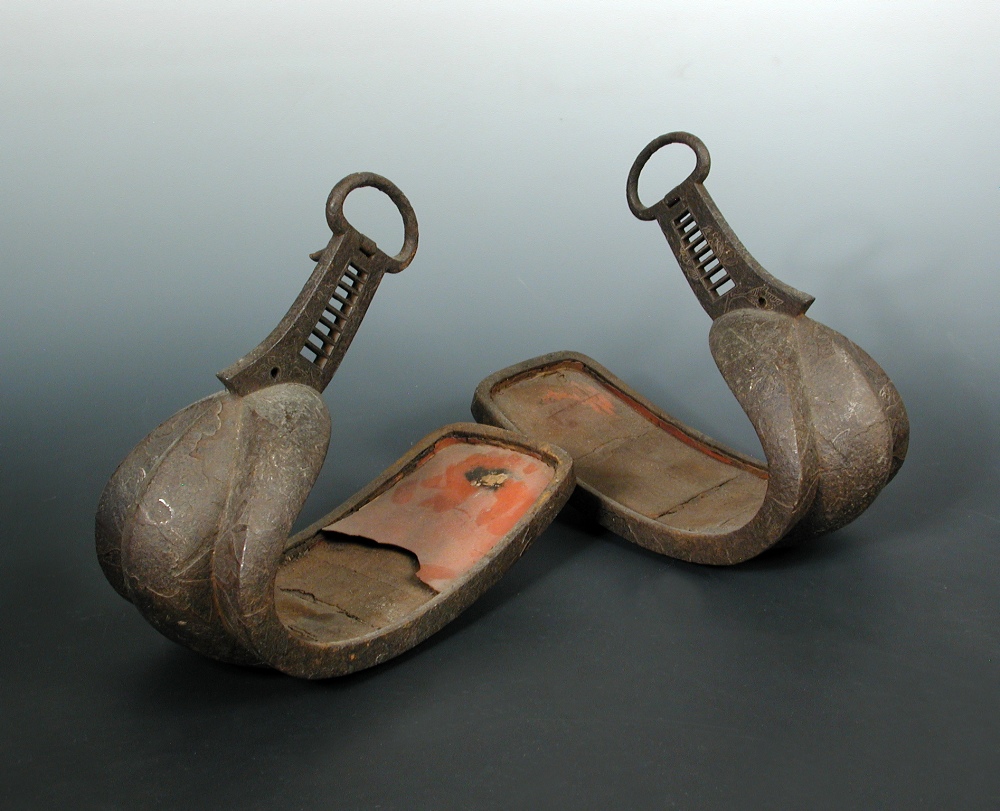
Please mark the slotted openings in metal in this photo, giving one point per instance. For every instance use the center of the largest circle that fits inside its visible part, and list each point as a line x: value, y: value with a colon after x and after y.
x: 323, y: 339
x: 713, y: 276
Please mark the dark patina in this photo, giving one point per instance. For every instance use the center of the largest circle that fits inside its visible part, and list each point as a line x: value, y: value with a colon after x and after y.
x: 193, y: 527
x: 832, y: 425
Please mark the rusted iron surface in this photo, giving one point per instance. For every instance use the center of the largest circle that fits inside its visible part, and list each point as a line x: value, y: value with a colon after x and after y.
x: 832, y: 426
x: 193, y: 526
x: 311, y: 340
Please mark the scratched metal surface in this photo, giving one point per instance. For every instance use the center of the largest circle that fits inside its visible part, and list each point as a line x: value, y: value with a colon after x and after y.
x: 163, y: 177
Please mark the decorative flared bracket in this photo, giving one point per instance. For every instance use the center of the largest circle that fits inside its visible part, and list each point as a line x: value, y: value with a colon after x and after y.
x: 721, y: 271
x: 309, y: 343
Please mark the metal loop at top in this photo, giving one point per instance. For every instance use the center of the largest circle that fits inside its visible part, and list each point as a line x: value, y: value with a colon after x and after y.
x: 339, y: 224
x: 697, y: 176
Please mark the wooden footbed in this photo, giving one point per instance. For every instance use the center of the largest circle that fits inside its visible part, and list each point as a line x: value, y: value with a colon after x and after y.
x: 628, y: 455
x: 414, y: 540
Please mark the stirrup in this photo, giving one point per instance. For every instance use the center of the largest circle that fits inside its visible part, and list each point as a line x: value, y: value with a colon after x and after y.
x: 193, y: 526
x: 832, y: 425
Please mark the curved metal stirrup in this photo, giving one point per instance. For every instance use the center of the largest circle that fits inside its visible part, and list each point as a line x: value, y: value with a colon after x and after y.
x: 832, y: 426
x: 224, y: 479
x: 193, y: 527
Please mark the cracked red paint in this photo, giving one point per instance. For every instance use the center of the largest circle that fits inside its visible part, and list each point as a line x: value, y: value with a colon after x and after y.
x: 454, y: 508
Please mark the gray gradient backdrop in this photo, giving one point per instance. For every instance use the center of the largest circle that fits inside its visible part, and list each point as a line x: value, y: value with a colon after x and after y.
x: 164, y: 170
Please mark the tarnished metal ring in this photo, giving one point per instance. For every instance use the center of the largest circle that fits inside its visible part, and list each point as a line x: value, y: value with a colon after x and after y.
x: 704, y: 163
x: 339, y: 224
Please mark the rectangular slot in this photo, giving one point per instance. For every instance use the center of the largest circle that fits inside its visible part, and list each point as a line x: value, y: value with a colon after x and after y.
x: 315, y: 353
x: 724, y: 287
x: 715, y: 277
x: 698, y: 248
x: 326, y: 332
x: 705, y: 258
x: 331, y: 326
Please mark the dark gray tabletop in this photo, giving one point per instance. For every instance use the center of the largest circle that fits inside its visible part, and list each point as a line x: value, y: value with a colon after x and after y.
x: 164, y: 174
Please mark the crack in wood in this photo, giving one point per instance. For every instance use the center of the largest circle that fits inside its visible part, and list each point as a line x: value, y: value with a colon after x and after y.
x: 308, y: 595
x: 696, y: 496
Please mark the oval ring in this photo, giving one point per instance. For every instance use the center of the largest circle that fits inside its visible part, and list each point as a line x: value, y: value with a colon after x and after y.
x: 339, y: 224
x: 704, y: 163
